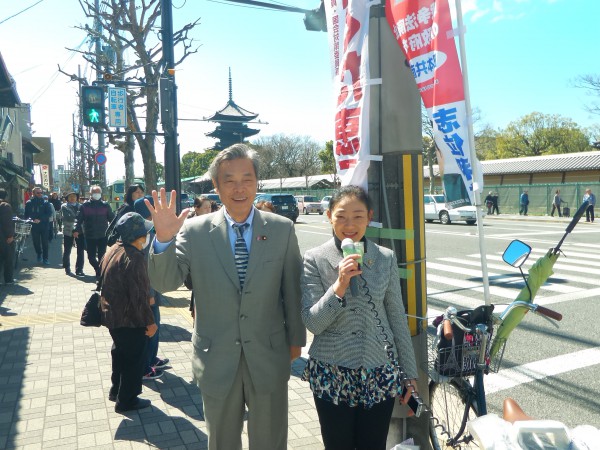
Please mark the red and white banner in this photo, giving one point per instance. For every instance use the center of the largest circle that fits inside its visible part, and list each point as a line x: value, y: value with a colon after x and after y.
x: 348, y: 29
x: 423, y: 28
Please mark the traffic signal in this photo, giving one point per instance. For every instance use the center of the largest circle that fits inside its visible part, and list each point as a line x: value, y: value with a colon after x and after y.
x: 92, y: 106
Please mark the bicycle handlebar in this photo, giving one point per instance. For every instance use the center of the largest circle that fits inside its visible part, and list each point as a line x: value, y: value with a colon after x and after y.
x: 548, y: 313
x: 451, y: 318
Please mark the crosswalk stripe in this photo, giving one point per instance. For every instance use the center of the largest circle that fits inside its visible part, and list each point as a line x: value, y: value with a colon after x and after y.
x: 558, y: 267
x: 561, y: 288
x: 508, y: 294
x: 579, y: 258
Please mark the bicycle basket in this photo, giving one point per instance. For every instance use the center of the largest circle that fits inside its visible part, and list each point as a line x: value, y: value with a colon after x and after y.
x: 458, y: 357
x: 22, y: 228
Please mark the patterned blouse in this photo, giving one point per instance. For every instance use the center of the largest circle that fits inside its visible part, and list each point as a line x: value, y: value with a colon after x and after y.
x: 356, y: 387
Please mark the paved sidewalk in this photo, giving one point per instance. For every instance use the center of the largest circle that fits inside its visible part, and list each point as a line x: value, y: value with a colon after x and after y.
x: 55, y: 374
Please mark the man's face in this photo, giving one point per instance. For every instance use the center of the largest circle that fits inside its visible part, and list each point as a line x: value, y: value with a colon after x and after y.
x: 96, y: 191
x: 37, y: 193
x: 72, y: 198
x: 237, y: 187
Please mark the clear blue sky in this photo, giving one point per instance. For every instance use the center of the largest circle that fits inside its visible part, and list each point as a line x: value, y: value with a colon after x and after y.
x: 522, y: 57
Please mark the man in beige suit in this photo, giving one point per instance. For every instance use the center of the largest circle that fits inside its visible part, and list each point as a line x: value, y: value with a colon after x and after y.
x: 247, y: 312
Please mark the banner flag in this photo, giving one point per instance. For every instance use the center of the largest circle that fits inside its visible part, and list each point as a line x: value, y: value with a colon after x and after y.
x: 348, y: 30
x: 423, y: 29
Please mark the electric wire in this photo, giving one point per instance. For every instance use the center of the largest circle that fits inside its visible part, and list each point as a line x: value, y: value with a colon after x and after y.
x: 20, y: 12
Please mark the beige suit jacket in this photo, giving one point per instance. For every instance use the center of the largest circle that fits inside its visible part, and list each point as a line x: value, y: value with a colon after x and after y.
x: 262, y: 319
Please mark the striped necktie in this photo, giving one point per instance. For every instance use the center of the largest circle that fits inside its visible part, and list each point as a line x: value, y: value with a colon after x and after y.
x: 241, y: 252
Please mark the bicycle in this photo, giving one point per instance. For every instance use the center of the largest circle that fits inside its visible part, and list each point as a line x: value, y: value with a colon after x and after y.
x: 469, y: 344
x: 22, y: 230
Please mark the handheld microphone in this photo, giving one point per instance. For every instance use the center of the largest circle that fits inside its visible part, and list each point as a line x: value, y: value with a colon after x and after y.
x: 349, y: 247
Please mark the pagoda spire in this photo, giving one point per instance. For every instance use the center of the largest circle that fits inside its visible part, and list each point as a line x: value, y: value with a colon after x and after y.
x: 230, y: 88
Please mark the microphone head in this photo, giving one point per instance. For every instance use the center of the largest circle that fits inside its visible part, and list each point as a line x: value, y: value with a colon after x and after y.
x: 348, y: 244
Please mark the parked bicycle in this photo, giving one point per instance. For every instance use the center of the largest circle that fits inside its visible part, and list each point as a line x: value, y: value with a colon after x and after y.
x: 22, y: 230
x: 469, y: 344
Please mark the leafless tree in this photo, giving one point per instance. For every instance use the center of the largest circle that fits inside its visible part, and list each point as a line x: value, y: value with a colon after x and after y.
x: 590, y: 83
x: 130, y: 29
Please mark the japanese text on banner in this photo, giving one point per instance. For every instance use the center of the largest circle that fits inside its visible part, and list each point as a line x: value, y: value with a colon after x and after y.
x: 423, y: 29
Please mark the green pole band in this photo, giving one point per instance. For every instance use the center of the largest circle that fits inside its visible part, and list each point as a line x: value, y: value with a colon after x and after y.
x: 389, y: 233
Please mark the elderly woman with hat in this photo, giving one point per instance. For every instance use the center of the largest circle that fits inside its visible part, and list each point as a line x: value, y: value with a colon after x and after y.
x: 126, y: 312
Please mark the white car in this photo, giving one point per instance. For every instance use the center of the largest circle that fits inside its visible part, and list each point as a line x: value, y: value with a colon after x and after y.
x: 325, y: 202
x: 435, y: 209
x: 308, y: 204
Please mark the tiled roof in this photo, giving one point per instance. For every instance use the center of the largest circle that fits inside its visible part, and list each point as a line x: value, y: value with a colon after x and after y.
x: 547, y: 163
x: 231, y: 111
x: 536, y: 164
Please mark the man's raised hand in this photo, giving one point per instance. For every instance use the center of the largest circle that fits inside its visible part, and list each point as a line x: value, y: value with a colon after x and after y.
x: 164, y: 215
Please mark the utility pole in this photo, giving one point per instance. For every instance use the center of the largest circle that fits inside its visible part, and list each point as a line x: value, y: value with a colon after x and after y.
x: 168, y: 97
x: 98, y: 50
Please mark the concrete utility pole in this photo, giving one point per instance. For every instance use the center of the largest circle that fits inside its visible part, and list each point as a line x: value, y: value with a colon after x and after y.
x: 168, y: 97
x: 99, y: 74
x: 396, y: 188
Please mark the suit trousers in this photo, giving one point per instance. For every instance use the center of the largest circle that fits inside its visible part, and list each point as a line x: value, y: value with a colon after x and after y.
x: 128, y: 360
x: 267, y: 415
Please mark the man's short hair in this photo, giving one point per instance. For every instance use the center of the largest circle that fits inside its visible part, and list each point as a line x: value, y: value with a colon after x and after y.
x: 3, y: 194
x: 94, y: 187
x: 236, y: 151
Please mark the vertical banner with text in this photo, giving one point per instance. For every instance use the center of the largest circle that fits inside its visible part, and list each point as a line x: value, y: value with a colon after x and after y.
x: 423, y: 28
x: 348, y: 29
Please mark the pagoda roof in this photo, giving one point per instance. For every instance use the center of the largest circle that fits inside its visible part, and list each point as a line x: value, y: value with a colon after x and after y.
x: 231, y: 111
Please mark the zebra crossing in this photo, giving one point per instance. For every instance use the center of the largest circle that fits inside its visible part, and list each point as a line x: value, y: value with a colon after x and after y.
x: 453, y: 281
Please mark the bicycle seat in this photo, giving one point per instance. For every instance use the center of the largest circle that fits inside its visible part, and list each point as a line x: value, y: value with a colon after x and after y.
x: 512, y: 412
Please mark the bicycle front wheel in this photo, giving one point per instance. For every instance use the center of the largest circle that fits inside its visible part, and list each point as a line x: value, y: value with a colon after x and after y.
x: 451, y: 408
x: 18, y: 251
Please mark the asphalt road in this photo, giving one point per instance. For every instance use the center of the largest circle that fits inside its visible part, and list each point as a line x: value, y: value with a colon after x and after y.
x: 554, y: 373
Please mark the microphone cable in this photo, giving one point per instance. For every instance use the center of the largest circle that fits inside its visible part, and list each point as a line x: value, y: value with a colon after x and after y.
x: 387, y: 345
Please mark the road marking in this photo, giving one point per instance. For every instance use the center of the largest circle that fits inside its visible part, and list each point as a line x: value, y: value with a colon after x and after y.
x: 553, y: 278
x: 315, y: 232
x: 496, y: 277
x: 538, y: 370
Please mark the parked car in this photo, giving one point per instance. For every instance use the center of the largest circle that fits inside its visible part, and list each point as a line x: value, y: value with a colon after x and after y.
x: 214, y: 198
x: 308, y: 204
x: 325, y: 202
x: 436, y: 209
x: 284, y: 204
x: 186, y: 200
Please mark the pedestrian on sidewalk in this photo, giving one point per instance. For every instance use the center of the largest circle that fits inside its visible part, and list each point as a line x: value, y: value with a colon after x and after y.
x: 126, y: 312
x: 57, y: 207
x: 524, y: 202
x: 591, y: 199
x: 39, y: 211
x: 556, y: 201
x: 248, y: 327
x: 134, y: 192
x: 154, y: 365
x: 68, y: 213
x: 495, y: 204
x: 356, y: 369
x: 489, y: 202
x: 51, y: 220
x: 7, y: 237
x: 92, y: 220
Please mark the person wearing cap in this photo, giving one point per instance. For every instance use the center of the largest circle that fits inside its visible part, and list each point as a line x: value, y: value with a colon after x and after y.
x: 68, y: 213
x: 125, y: 302
x: 154, y: 364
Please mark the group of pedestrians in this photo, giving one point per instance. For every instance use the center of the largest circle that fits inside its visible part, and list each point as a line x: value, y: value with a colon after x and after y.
x: 251, y: 324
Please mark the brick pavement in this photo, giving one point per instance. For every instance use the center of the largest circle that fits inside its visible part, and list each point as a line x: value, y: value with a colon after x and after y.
x: 55, y: 374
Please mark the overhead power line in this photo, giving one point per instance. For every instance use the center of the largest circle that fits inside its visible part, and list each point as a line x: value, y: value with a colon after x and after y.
x: 21, y: 12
